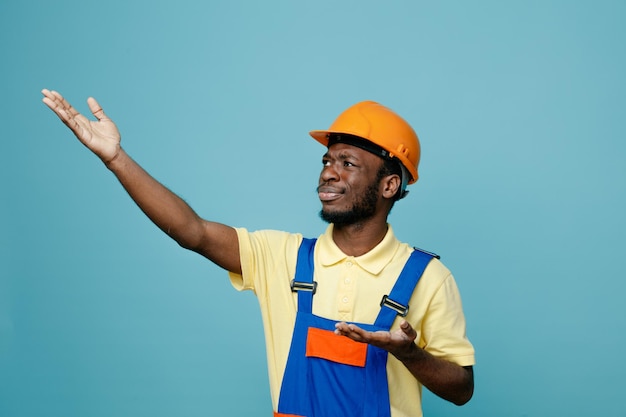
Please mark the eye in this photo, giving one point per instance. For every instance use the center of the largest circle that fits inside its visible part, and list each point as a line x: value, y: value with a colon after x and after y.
x: 348, y: 164
x: 326, y: 162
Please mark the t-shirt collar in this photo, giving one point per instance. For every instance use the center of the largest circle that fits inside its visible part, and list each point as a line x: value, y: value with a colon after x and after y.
x: 373, y: 261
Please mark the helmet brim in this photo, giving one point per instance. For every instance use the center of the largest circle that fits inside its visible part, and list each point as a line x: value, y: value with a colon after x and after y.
x: 320, y: 135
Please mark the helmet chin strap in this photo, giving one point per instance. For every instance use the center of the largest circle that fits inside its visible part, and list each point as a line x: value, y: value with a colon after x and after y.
x: 404, y: 182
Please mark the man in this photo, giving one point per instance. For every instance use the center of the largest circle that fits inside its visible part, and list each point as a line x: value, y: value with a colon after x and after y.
x: 355, y: 321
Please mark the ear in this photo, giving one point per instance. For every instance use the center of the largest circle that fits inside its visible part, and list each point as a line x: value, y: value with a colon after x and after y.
x: 390, y: 185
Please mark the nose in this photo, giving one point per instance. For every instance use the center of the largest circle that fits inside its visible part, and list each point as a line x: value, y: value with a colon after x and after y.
x: 329, y: 173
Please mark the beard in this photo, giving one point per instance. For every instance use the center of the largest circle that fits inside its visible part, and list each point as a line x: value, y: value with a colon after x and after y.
x: 361, y: 210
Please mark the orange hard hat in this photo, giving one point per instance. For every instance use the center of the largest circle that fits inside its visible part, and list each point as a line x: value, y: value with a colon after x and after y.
x: 380, y: 126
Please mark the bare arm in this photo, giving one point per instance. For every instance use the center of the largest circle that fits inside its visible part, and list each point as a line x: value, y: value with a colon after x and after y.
x: 445, y: 379
x: 169, y: 212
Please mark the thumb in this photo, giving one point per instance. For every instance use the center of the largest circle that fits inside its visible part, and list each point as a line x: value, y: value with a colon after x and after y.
x: 96, y: 109
x: 408, y: 330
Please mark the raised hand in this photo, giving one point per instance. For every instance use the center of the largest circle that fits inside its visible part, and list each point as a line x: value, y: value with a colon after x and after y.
x: 102, y: 136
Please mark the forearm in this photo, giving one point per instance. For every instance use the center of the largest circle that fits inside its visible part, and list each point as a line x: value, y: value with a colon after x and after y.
x: 168, y: 211
x: 448, y: 380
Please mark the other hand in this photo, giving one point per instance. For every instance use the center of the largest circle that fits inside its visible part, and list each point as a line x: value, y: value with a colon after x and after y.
x: 399, y: 342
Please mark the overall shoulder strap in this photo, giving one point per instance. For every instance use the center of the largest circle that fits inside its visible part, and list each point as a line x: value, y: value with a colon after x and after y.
x: 303, y: 281
x: 397, y: 302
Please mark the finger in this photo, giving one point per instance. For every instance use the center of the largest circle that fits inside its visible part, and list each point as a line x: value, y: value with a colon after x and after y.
x: 50, y: 94
x: 56, y: 107
x: 58, y: 104
x: 57, y: 98
x: 96, y: 109
x: 354, y: 332
x: 71, y: 111
x: 348, y: 328
x: 49, y: 98
x: 341, y: 328
x: 408, y: 329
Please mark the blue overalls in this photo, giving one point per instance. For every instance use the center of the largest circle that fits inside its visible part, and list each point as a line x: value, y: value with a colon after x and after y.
x: 328, y: 375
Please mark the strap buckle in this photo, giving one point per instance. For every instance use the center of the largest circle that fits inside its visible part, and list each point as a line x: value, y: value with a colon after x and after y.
x: 434, y: 255
x: 303, y: 286
x: 402, y: 310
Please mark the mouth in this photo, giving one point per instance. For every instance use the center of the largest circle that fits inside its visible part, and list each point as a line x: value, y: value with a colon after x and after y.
x: 326, y: 193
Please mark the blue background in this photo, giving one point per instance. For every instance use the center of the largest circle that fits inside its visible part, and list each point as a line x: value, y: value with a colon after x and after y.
x: 520, y: 107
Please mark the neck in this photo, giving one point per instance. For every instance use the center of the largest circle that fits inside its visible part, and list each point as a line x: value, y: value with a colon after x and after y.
x: 359, y: 238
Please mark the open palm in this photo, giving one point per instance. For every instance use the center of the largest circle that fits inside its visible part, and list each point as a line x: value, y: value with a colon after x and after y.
x: 102, y: 136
